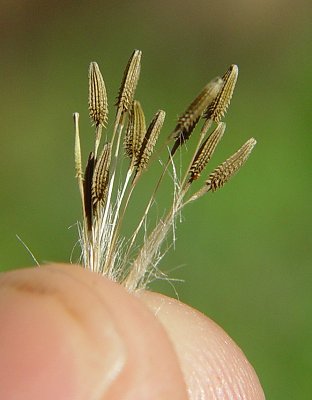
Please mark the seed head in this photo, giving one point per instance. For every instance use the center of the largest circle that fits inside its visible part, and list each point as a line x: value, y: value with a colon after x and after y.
x: 229, y: 167
x: 216, y: 110
x: 206, y: 151
x: 101, y: 176
x: 129, y: 82
x: 149, y: 141
x: 189, y: 119
x: 135, y: 132
x: 98, y: 108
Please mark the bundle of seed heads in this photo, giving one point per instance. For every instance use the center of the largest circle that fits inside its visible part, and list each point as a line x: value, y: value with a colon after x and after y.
x: 105, y: 196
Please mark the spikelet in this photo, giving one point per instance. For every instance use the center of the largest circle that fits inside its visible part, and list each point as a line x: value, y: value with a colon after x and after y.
x: 135, y: 132
x: 129, y: 82
x: 230, y: 166
x: 149, y: 141
x: 78, y: 164
x: 225, y: 171
x: 101, y: 176
x: 216, y: 110
x: 98, y: 108
x: 87, y: 190
x: 206, y: 151
x: 188, y: 120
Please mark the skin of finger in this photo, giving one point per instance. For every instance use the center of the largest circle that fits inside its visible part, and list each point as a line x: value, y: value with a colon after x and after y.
x: 118, y: 351
x: 214, y: 366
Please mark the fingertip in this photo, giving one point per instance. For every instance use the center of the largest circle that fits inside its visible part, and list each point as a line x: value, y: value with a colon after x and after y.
x: 213, y: 365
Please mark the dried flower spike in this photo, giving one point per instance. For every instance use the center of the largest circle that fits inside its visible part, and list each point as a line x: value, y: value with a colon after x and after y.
x: 98, y: 107
x: 218, y: 107
x: 206, y: 151
x: 229, y: 167
x: 135, y: 132
x: 189, y: 119
x: 129, y: 82
x: 132, y: 260
x: 100, y: 176
x: 149, y: 141
x: 87, y: 190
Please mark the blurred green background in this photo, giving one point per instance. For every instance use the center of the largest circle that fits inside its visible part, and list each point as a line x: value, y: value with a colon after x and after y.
x: 244, y: 252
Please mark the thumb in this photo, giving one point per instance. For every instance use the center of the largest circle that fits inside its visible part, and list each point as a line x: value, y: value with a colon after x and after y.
x: 66, y: 333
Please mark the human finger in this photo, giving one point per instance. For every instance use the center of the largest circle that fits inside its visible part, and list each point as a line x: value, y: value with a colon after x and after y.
x: 214, y: 367
x: 67, y: 333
